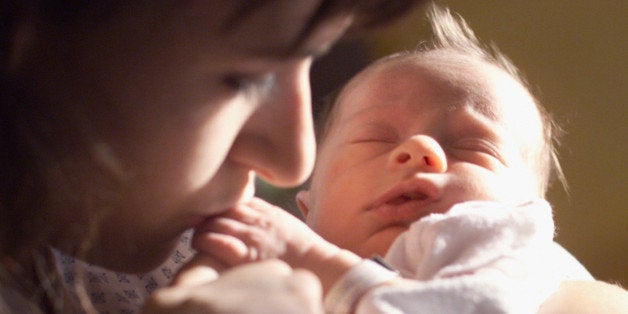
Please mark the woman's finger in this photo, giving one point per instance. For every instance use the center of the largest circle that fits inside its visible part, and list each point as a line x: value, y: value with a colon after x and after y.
x: 200, y: 270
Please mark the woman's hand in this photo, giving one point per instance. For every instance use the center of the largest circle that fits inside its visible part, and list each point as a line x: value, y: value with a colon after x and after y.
x: 263, y: 287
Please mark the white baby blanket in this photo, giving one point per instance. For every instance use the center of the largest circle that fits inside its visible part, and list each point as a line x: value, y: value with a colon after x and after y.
x: 479, y: 257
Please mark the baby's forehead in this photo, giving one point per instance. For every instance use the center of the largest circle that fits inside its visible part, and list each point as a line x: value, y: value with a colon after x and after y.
x: 446, y: 80
x: 450, y: 78
x: 444, y: 69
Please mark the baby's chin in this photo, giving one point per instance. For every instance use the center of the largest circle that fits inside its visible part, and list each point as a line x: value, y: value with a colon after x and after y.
x: 379, y: 243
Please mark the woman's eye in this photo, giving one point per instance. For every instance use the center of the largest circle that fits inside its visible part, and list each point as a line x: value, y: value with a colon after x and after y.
x: 249, y: 83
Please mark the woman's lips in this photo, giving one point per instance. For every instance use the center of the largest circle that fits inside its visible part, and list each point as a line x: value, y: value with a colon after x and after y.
x: 242, y: 191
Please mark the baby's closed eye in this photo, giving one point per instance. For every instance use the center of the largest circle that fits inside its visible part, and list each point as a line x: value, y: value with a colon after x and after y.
x: 372, y: 140
x: 476, y: 150
x: 374, y: 133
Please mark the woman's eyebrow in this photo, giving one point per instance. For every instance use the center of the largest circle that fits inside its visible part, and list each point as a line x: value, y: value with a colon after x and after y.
x: 245, y: 9
x: 298, y: 47
x: 282, y: 53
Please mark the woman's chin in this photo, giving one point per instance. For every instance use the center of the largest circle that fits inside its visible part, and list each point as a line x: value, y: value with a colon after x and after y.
x: 132, y: 261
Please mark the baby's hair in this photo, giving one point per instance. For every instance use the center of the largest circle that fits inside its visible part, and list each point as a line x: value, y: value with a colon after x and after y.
x: 450, y: 33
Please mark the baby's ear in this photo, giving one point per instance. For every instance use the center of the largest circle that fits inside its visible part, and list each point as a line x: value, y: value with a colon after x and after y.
x: 303, y: 201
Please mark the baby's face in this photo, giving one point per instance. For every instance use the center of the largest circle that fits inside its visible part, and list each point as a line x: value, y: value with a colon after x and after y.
x: 413, y: 139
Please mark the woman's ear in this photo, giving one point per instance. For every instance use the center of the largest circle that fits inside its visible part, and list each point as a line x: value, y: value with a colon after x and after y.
x: 303, y: 201
x: 20, y: 36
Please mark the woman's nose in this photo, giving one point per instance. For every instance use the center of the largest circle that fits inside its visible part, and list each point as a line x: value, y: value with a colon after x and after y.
x: 419, y: 153
x: 277, y: 141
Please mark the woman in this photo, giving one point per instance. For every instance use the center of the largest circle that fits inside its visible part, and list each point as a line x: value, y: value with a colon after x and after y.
x: 125, y: 123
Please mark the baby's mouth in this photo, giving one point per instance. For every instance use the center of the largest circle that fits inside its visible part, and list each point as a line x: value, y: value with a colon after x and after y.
x: 404, y: 208
x: 407, y: 201
x: 406, y: 197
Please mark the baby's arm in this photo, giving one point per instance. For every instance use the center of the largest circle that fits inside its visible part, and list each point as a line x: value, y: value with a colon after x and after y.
x: 258, y: 230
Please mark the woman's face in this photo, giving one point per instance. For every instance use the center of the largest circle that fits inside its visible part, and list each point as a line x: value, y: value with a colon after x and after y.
x: 186, y: 110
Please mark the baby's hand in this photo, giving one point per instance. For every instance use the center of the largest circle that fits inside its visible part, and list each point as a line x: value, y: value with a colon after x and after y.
x: 256, y: 231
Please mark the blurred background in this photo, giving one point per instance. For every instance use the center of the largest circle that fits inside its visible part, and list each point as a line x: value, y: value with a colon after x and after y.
x: 573, y: 54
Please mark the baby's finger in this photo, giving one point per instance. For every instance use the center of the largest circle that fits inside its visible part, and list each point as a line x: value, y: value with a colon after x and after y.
x: 246, y: 213
x: 227, y: 249
x: 257, y: 202
x: 247, y: 240
x: 223, y: 224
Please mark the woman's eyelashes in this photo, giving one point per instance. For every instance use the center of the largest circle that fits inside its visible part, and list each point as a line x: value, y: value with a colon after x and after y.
x: 249, y: 84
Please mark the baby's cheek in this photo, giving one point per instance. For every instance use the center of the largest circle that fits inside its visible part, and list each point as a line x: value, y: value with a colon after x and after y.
x: 323, y: 223
x: 517, y: 184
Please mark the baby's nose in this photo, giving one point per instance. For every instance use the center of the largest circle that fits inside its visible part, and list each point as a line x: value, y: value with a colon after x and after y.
x: 419, y: 152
